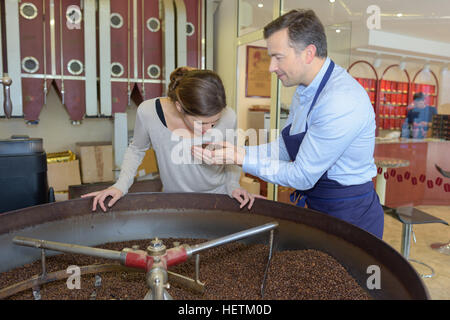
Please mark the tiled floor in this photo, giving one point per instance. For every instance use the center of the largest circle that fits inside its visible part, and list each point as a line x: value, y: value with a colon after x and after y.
x: 426, y: 234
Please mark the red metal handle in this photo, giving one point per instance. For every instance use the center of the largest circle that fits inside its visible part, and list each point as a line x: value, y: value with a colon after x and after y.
x: 137, y: 260
x: 142, y: 260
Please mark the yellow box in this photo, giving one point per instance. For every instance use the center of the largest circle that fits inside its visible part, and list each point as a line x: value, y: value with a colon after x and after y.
x: 148, y: 164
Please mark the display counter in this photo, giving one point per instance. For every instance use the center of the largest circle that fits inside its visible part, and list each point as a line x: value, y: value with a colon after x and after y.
x: 419, y: 183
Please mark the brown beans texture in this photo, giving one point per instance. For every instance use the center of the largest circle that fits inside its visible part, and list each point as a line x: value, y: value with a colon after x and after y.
x: 230, y: 272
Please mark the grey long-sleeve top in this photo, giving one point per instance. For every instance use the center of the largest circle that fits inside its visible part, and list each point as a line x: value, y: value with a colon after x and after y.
x: 178, y: 170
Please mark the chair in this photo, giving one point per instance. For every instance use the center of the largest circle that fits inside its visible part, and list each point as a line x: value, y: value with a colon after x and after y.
x: 409, y: 216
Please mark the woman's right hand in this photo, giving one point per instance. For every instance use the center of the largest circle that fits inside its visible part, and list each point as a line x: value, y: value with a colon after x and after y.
x: 100, y: 196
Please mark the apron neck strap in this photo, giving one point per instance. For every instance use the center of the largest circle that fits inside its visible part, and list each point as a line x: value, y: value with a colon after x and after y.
x: 322, y: 84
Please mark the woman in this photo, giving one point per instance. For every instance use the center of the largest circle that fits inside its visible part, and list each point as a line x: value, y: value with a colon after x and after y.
x: 195, y: 105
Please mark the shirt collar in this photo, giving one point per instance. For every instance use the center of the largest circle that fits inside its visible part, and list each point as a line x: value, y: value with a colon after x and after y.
x: 311, y: 89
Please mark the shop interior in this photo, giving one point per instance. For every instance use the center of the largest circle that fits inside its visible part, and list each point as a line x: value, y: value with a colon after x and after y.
x: 401, y: 55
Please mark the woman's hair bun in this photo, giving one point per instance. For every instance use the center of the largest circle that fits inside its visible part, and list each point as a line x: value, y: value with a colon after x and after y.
x: 177, y: 75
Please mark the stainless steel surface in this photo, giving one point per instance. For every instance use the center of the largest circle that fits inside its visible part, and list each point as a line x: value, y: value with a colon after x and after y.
x: 186, y: 282
x: 263, y: 284
x: 406, y: 239
x: 157, y: 281
x: 209, y: 216
x: 69, y: 248
x: 7, y: 103
x: 230, y: 238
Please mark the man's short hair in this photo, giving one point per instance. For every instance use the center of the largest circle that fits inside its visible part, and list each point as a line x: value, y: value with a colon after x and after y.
x: 304, y: 28
x: 419, y: 96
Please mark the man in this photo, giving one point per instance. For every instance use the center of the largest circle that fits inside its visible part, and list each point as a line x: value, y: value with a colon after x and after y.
x: 326, y: 149
x: 418, y: 119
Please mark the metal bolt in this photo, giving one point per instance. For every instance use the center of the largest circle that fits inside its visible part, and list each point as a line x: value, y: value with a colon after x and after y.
x: 98, y: 281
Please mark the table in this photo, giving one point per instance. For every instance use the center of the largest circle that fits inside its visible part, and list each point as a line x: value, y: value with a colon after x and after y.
x: 409, y: 216
x: 386, y: 163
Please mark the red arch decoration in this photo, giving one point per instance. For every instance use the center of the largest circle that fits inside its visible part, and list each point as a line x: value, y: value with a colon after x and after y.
x: 413, y: 82
x: 377, y: 86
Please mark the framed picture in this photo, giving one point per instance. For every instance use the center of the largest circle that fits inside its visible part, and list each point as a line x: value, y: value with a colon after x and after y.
x: 257, y: 80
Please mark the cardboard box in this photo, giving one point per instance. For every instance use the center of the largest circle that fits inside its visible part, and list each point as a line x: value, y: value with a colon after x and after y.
x: 249, y: 184
x: 61, y: 196
x: 63, y: 174
x: 96, y: 160
x: 148, y: 164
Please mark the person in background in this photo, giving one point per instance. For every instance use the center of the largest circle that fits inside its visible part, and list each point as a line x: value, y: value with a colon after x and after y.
x: 326, y: 149
x: 418, y: 119
x: 195, y: 106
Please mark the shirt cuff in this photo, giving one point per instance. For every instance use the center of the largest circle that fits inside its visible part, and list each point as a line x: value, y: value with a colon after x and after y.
x: 121, y: 187
x: 250, y: 164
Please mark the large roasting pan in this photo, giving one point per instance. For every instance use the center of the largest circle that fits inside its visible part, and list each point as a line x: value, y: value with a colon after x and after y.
x: 209, y: 216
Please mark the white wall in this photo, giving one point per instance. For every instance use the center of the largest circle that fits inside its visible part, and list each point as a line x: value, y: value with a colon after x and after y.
x: 224, y: 47
x: 243, y: 102
x: 57, y: 132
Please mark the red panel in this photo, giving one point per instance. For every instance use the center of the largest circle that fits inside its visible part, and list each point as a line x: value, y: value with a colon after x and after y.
x: 152, y: 42
x: 422, y: 157
x: 152, y: 51
x: 31, y: 45
x: 193, y: 10
x: 75, y: 90
x: 119, y: 53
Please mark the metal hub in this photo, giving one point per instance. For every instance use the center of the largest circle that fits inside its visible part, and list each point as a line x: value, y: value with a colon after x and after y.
x: 156, y: 248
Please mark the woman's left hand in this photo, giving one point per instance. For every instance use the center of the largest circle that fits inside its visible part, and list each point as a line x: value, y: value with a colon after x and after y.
x: 244, y: 197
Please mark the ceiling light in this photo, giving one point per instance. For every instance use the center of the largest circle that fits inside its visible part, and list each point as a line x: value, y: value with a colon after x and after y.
x: 332, y: 1
x: 338, y: 30
x: 260, y: 5
x: 399, y: 15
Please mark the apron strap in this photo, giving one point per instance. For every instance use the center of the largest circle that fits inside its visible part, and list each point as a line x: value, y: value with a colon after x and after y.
x: 298, y: 197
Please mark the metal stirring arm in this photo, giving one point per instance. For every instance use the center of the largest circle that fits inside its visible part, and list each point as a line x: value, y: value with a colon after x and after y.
x: 269, y: 259
x: 156, y: 260
x: 7, y: 103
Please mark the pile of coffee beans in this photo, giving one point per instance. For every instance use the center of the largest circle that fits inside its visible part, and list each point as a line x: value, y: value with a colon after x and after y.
x: 232, y: 271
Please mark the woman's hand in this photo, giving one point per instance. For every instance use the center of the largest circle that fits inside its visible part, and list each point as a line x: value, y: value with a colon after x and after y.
x: 219, y: 153
x: 100, y: 196
x: 243, y: 196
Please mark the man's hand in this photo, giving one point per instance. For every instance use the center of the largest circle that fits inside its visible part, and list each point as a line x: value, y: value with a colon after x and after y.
x: 219, y: 153
x: 100, y: 196
x: 242, y: 195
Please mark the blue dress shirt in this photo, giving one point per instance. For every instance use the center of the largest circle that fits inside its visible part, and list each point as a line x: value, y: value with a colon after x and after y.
x: 340, y: 138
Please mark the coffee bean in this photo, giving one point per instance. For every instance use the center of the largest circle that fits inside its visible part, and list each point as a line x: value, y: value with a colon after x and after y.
x: 230, y: 272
